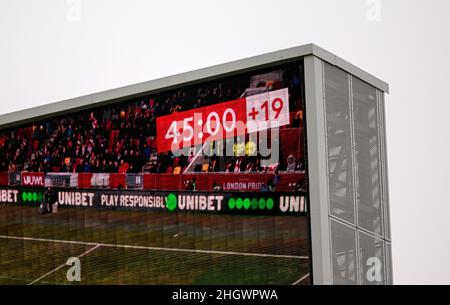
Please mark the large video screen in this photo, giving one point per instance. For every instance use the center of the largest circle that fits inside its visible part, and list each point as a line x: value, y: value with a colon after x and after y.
x: 201, y: 184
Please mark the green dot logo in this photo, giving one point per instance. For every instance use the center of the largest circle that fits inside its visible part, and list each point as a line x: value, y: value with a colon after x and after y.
x: 231, y: 203
x: 269, y: 204
x: 29, y: 196
x: 171, y: 202
x: 35, y: 197
x: 254, y: 204
x: 262, y: 203
x: 239, y: 203
x: 247, y: 203
x: 24, y: 196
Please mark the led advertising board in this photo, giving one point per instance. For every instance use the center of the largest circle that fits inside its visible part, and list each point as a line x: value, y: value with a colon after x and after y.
x: 212, y: 174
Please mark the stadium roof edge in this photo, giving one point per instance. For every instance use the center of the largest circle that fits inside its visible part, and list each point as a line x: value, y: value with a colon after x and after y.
x: 196, y: 76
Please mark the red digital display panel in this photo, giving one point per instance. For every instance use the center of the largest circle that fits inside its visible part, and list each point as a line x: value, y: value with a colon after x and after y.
x: 234, y: 118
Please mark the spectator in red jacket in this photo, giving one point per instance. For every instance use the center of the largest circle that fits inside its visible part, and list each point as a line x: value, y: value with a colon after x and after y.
x: 124, y: 166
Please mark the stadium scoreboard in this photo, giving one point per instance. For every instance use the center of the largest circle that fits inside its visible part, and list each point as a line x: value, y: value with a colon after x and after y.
x: 225, y: 120
x: 317, y: 210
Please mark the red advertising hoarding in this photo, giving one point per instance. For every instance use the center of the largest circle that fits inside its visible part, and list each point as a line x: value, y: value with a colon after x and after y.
x: 33, y: 179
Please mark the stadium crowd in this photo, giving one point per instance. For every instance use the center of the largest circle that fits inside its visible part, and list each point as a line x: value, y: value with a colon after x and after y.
x: 121, y: 138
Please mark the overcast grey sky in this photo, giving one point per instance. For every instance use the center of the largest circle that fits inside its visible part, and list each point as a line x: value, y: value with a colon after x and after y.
x: 56, y: 49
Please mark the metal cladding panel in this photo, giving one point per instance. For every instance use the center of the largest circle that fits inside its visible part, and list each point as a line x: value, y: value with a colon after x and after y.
x: 357, y: 179
x: 317, y: 171
x: 367, y: 157
x: 388, y: 259
x: 340, y: 164
x: 344, y: 254
x: 384, y: 167
x: 371, y: 260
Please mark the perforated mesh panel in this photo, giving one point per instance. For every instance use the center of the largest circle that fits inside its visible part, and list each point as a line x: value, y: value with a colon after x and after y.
x: 371, y: 260
x: 343, y: 247
x: 357, y: 180
x: 337, y: 107
x: 367, y: 157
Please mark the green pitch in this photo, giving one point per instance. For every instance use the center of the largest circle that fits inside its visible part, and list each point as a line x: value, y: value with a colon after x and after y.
x: 124, y: 247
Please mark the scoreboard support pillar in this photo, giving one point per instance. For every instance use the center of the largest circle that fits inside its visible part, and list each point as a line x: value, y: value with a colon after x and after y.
x: 317, y: 169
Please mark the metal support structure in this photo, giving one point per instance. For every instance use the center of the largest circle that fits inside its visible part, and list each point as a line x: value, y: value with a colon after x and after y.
x: 317, y: 171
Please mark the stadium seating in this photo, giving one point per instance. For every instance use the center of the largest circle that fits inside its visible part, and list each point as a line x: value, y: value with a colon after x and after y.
x: 98, y: 141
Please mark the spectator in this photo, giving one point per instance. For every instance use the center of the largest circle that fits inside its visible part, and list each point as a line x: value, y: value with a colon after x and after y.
x: 291, y: 165
x: 300, y: 186
x: 49, y: 200
x: 87, y: 167
x: 216, y: 187
x: 276, y: 178
x: 250, y: 148
x: 115, y: 167
x: 194, y: 184
x: 12, y: 168
x: 264, y: 188
x: 270, y: 185
x: 299, y: 166
x: 103, y: 167
x: 190, y: 185
x: 124, y: 166
x: 298, y: 119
